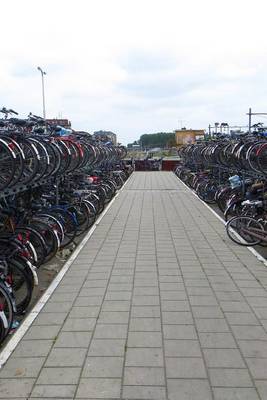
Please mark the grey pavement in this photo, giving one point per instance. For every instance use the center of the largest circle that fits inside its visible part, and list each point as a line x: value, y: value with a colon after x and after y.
x: 159, y: 304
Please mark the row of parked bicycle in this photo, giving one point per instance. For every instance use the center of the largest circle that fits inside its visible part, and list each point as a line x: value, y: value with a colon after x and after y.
x: 39, y: 221
x: 32, y: 150
x: 232, y: 175
x: 247, y: 154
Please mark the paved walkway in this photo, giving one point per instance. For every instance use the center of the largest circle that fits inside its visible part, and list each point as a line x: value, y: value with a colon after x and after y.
x: 159, y: 304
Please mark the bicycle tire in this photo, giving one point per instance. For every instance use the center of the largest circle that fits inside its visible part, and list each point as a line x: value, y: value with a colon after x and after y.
x: 69, y: 225
x: 31, y: 161
x: 82, y: 217
x: 7, y: 164
x: 37, y: 241
x: 7, y: 308
x: 232, y: 225
x: 233, y: 210
x: 50, y: 238
x: 21, y: 285
x: 53, y: 221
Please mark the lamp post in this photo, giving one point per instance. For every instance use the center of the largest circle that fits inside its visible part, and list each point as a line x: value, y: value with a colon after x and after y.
x: 43, y: 93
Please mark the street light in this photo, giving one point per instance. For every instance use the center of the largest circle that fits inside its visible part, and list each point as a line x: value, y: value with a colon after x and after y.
x: 42, y: 75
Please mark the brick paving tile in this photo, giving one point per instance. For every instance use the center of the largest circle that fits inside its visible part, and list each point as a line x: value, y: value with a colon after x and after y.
x: 258, y: 367
x: 42, y: 332
x: 144, y: 392
x: 73, y: 339
x: 22, y: 367
x: 95, y: 388
x: 54, y: 391
x: 59, y: 376
x: 11, y: 388
x: 158, y: 305
x: 144, y: 376
x: 33, y: 348
x: 230, y: 377
x: 225, y: 358
x: 66, y: 357
x: 185, y: 367
x: 103, y: 367
x: 144, y: 357
x: 107, y: 347
x: 189, y: 389
x: 235, y: 393
x: 182, y: 348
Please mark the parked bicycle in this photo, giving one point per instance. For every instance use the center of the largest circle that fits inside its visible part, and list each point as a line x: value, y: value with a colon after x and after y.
x: 53, y: 184
x: 233, y: 175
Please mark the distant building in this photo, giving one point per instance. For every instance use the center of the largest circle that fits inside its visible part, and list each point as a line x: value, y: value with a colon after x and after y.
x: 136, y: 147
x: 188, y: 136
x: 133, y: 146
x: 110, y: 135
x: 65, y: 123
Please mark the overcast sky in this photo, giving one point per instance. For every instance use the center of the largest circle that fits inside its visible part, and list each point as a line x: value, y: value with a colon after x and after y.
x: 135, y: 66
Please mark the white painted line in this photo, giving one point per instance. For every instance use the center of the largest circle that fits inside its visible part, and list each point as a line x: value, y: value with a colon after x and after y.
x: 249, y: 248
x: 17, y: 336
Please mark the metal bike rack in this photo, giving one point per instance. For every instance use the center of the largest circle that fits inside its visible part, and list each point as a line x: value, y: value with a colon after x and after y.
x: 20, y: 188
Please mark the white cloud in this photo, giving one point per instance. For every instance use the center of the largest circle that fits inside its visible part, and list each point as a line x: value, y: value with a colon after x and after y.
x: 135, y: 66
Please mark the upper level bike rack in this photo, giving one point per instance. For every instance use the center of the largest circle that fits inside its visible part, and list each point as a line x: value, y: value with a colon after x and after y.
x: 19, y: 188
x: 220, y: 168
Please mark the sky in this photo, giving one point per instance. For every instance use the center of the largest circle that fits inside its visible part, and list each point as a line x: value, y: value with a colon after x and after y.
x: 135, y: 67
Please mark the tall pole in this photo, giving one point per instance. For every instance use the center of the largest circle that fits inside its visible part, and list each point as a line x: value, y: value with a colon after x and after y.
x: 43, y: 92
x: 250, y: 113
x: 249, y: 120
x: 181, y: 122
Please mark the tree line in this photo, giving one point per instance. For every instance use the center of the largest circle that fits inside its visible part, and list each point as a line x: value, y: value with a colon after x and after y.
x: 160, y: 139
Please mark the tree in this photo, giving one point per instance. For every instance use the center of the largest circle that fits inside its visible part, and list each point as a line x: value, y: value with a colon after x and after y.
x: 160, y: 139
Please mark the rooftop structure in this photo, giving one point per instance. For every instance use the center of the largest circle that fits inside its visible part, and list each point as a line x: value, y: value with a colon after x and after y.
x: 188, y: 136
x: 65, y: 123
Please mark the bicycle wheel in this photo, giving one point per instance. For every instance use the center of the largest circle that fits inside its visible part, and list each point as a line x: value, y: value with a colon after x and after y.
x: 55, y: 156
x: 6, y: 311
x: 109, y: 191
x: 7, y: 164
x: 263, y: 222
x: 112, y: 184
x: 49, y: 235
x: 252, y: 157
x: 207, y: 192
x: 43, y: 158
x: 52, y: 221
x: 82, y: 216
x: 233, y: 210
x: 98, y: 200
x: 222, y: 196
x: 243, y: 226
x: 262, y: 158
x: 21, y: 283
x: 19, y: 159
x: 92, y: 211
x: 31, y: 162
x: 118, y: 180
x: 3, y: 325
x: 68, y: 222
x: 36, y: 240
x: 65, y: 156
